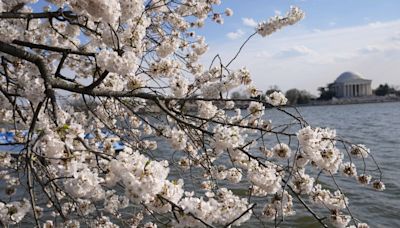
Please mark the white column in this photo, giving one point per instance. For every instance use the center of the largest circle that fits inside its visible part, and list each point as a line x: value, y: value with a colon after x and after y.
x: 351, y: 91
x: 341, y: 91
x: 358, y: 89
x: 364, y: 90
x: 361, y: 89
x: 355, y: 91
x: 348, y: 90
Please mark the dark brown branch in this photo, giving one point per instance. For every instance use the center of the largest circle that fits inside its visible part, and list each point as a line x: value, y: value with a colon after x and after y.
x: 58, y: 13
x: 174, y: 205
x: 240, y: 49
x: 41, y: 65
x: 98, y: 81
x: 320, y: 220
x: 59, y: 68
x: 241, y: 215
x: 76, y: 88
x: 30, y: 183
x: 51, y: 48
x: 13, y: 102
x: 172, y: 115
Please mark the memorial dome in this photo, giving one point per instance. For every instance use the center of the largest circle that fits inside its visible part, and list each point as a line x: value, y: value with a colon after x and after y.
x: 348, y: 76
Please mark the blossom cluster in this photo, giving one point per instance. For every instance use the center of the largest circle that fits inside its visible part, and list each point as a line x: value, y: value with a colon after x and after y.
x: 281, y: 205
x: 276, y: 99
x: 143, y: 179
x: 221, y: 207
x: 13, y: 212
x: 275, y: 23
x: 266, y: 178
x: 111, y: 61
x: 318, y: 145
x: 125, y: 125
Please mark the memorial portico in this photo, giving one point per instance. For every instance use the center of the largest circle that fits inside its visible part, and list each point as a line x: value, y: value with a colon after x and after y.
x: 350, y: 84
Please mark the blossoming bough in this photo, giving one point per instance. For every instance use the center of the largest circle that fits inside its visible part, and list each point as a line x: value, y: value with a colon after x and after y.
x: 124, y: 60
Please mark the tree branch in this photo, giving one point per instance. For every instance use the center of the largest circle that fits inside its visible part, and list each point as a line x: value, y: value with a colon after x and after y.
x: 40, y: 64
x: 98, y: 81
x: 51, y: 48
x: 58, y: 13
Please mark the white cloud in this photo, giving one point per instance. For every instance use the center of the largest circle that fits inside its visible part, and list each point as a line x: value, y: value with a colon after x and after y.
x: 396, y: 37
x: 309, y: 59
x: 235, y: 35
x: 249, y: 22
x: 376, y: 24
x: 332, y: 23
x: 263, y: 54
x: 277, y: 12
x: 295, y: 51
x: 370, y: 49
x: 388, y: 50
x: 341, y: 57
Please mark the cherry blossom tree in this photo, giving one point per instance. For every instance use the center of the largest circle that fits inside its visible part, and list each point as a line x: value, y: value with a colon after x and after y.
x: 133, y: 65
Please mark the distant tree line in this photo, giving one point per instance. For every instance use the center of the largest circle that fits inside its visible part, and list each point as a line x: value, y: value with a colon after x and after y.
x: 382, y: 90
x: 325, y: 93
x: 299, y: 97
x: 385, y: 89
x: 294, y: 96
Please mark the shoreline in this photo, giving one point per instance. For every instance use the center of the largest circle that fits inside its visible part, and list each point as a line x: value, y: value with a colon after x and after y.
x: 350, y: 101
x: 341, y: 101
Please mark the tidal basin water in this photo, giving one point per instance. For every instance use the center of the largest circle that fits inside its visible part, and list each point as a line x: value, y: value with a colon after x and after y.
x: 375, y: 125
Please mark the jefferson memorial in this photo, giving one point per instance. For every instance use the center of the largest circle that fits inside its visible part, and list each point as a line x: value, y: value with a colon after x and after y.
x: 350, y: 84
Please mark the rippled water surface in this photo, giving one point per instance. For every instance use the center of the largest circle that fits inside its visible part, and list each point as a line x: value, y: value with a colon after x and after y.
x: 378, y: 127
x: 375, y: 125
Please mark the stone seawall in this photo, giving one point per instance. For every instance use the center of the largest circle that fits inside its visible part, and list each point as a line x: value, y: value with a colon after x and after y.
x: 356, y: 100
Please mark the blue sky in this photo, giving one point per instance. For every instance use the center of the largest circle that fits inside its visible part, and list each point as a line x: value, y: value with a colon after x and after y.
x: 336, y: 36
x: 321, y: 14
